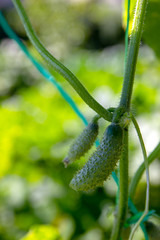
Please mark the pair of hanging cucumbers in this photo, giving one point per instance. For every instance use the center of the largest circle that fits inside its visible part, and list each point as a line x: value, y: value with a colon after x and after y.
x: 104, y: 160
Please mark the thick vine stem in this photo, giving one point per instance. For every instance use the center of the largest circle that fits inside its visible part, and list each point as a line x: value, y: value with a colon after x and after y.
x: 125, y: 101
x: 133, y: 54
x: 135, y: 180
x: 123, y: 192
x: 59, y: 67
x: 118, y: 113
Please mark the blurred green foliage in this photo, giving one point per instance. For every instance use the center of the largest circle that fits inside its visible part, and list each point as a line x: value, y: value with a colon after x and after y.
x: 43, y: 232
x: 37, y: 126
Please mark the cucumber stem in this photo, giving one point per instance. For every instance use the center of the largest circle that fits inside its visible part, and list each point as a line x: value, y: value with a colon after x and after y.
x: 130, y: 67
x: 133, y: 54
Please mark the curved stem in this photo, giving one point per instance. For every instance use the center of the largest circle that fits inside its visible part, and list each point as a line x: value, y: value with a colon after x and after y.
x: 123, y: 192
x: 147, y: 177
x: 59, y: 67
x: 133, y: 53
x: 135, y: 180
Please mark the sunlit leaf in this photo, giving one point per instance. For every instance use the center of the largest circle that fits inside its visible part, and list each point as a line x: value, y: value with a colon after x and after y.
x: 43, y: 232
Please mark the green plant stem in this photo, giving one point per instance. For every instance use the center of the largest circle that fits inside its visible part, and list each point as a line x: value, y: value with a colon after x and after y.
x: 59, y: 67
x: 123, y: 192
x: 135, y: 180
x: 133, y: 54
x: 147, y: 177
x: 126, y: 34
x: 125, y: 101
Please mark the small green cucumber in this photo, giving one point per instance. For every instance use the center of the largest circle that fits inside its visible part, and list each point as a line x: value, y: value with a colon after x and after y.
x: 103, y: 161
x: 83, y: 143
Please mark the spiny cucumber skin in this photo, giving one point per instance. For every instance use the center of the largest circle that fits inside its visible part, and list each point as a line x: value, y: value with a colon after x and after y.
x: 103, y: 161
x: 83, y: 143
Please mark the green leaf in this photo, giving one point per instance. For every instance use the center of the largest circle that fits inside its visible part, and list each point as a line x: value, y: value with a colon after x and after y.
x: 43, y: 232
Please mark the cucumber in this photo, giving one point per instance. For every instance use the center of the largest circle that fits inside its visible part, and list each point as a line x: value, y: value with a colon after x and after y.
x: 103, y: 161
x: 83, y: 143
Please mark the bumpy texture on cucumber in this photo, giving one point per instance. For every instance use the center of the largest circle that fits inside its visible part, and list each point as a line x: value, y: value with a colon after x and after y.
x: 102, y: 162
x: 83, y: 143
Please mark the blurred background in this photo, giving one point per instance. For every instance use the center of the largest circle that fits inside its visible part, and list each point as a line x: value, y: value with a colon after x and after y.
x: 37, y: 126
